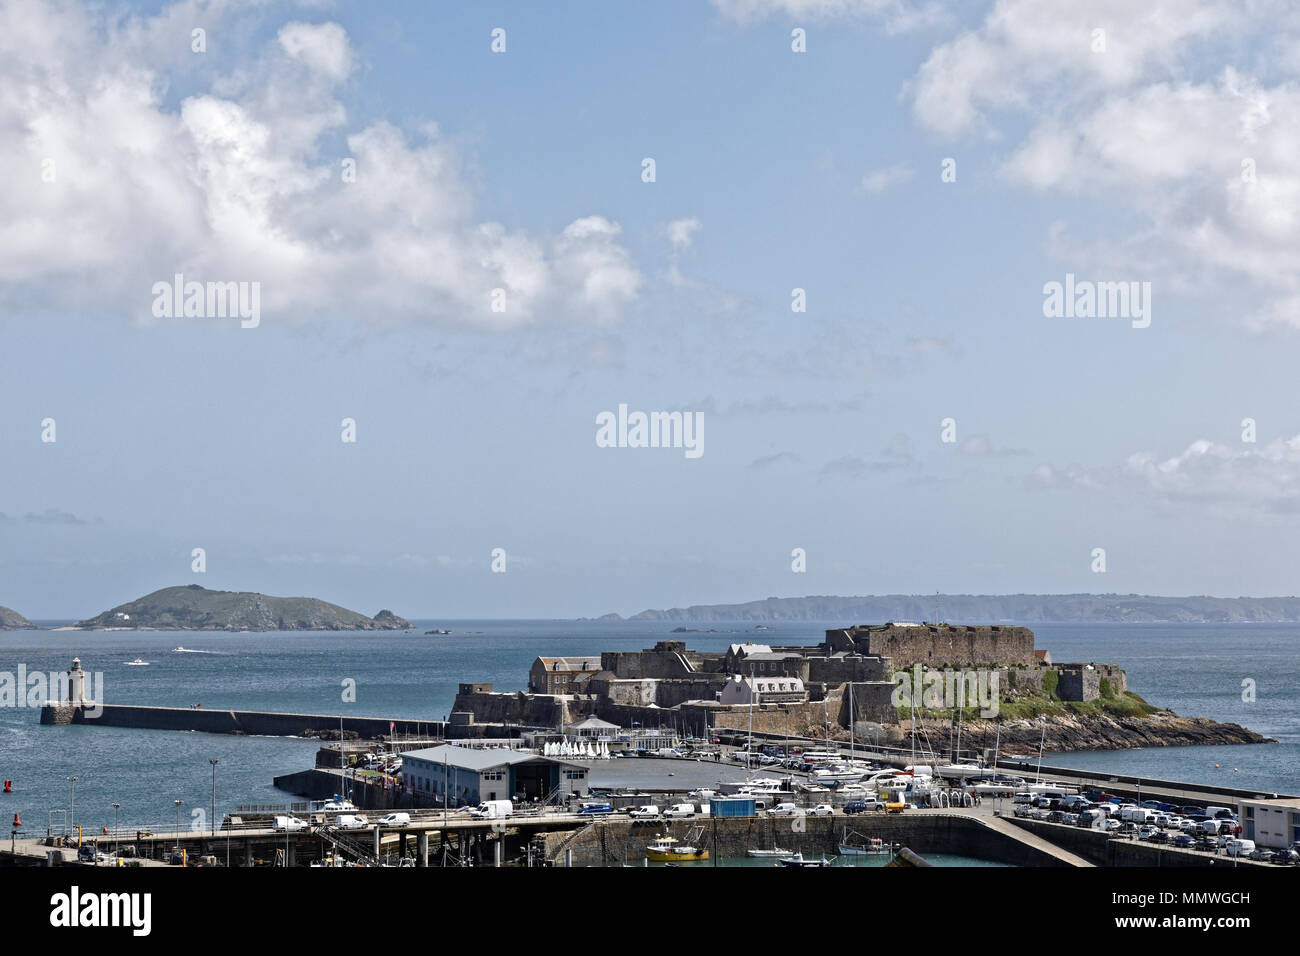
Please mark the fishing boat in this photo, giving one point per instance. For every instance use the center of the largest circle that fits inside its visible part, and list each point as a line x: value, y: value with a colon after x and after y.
x: 797, y: 860
x: 668, y: 850
x: 873, y: 846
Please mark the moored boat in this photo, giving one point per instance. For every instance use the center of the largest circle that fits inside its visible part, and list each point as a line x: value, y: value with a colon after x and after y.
x: 668, y: 850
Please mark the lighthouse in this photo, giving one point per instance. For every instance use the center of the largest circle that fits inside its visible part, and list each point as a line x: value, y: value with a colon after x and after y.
x: 76, y: 683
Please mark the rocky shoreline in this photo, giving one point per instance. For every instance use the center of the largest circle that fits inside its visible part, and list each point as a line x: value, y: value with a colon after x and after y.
x: 1069, y: 733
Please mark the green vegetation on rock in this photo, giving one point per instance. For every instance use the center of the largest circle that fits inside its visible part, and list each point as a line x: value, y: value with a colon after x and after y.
x: 11, y: 620
x: 194, y: 608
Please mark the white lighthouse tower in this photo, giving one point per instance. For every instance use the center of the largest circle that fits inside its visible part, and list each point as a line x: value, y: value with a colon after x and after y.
x: 76, y: 683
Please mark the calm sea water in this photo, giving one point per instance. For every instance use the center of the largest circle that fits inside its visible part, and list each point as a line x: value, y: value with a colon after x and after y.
x: 1195, y: 670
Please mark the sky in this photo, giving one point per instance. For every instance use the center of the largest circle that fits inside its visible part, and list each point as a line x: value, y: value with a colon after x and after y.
x: 826, y: 231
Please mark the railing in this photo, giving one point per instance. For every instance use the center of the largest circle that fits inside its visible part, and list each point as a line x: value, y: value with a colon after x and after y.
x: 336, y: 839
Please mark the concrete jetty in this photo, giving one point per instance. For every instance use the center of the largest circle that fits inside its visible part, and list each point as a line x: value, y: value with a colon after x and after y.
x: 247, y: 722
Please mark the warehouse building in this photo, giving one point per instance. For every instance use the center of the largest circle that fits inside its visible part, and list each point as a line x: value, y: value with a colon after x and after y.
x: 465, y: 777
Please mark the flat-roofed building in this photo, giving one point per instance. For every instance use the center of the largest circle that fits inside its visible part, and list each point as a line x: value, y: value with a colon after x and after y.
x: 1271, y: 823
x: 467, y: 776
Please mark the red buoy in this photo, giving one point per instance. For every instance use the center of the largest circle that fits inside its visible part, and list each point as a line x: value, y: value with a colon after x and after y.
x: 105, y: 831
x: 9, y: 786
x: 17, y: 823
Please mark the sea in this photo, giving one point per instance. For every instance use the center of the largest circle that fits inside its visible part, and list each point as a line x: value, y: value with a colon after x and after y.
x: 1196, y: 670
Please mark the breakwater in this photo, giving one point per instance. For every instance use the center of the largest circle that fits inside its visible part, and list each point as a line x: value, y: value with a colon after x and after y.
x: 246, y: 722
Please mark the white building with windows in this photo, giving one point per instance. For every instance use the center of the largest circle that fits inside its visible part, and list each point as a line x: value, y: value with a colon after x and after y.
x: 465, y: 776
x: 743, y: 689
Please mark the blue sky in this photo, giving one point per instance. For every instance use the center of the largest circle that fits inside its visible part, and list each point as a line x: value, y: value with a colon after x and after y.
x: 521, y: 171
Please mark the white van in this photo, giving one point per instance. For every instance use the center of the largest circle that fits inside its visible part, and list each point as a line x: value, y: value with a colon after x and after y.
x: 1136, y: 814
x: 1239, y: 847
x: 289, y: 824
x: 680, y: 810
x: 647, y: 812
x: 492, y: 810
x: 351, y: 821
x: 395, y: 820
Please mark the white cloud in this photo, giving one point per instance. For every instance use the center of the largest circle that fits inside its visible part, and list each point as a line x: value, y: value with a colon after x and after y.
x: 323, y: 47
x: 1245, y: 477
x: 681, y: 232
x: 1159, y: 126
x: 240, y: 181
x: 897, y: 15
x: 877, y: 181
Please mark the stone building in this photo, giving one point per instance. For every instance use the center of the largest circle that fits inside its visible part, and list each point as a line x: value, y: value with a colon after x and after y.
x: 560, y: 675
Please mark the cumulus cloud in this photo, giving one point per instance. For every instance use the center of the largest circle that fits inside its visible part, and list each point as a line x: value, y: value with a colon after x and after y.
x: 117, y: 186
x: 1240, y: 477
x: 1161, y: 117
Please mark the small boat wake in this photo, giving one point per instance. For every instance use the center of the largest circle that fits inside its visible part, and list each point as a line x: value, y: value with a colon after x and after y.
x: 189, y: 650
x: 136, y: 663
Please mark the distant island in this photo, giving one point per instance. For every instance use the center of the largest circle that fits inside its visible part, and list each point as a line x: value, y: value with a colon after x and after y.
x: 993, y: 608
x: 11, y: 620
x: 195, y: 608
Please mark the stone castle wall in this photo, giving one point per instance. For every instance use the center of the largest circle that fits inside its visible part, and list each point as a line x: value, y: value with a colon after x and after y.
x: 986, y: 645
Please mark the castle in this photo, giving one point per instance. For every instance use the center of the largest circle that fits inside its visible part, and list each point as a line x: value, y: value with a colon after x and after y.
x: 848, y: 676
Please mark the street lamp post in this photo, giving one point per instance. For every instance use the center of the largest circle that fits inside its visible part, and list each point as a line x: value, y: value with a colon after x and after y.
x: 178, y: 825
x: 213, y: 827
x: 116, y: 835
x: 72, y: 781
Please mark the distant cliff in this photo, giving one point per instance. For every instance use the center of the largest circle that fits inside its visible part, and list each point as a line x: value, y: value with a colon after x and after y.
x: 13, y: 621
x: 995, y: 608
x: 194, y: 608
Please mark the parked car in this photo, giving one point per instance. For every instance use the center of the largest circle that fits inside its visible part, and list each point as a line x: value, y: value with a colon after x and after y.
x: 647, y: 812
x: 1183, y: 841
x: 822, y: 810
x: 289, y: 824
x: 863, y: 806
x: 395, y: 820
x: 1239, y: 847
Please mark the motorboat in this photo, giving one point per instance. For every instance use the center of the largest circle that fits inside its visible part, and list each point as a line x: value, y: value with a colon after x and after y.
x: 797, y: 860
x: 776, y: 853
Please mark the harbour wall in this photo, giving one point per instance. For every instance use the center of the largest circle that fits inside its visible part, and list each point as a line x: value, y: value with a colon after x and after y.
x: 246, y: 722
x: 618, y: 841
x: 1103, y: 850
